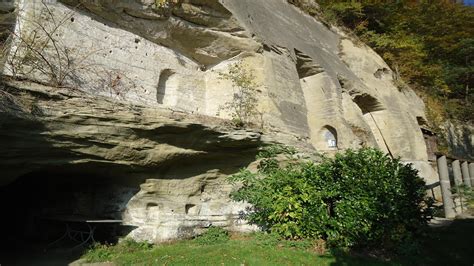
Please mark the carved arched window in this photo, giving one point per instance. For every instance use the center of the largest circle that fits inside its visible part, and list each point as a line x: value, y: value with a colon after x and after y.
x: 165, y: 84
x: 330, y: 136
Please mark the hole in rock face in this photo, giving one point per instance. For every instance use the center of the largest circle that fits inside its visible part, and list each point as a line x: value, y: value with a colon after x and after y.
x: 306, y: 66
x: 330, y: 137
x: 150, y: 205
x: 421, y: 121
x: 190, y: 209
x: 380, y: 72
x: 367, y: 103
x: 167, y: 86
x: 37, y: 207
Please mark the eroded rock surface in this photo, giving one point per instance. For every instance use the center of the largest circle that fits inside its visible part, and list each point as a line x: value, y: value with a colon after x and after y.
x: 180, y: 161
x: 146, y: 96
x: 460, y: 139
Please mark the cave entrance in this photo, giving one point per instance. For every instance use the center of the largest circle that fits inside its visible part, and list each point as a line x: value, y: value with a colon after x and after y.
x: 37, y: 207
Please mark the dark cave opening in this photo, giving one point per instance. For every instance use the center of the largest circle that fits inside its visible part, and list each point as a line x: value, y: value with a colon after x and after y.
x: 39, y: 206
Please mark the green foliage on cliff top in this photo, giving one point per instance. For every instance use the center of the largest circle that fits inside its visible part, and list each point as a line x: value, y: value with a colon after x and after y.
x: 430, y: 44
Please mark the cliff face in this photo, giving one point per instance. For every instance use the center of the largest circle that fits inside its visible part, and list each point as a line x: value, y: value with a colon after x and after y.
x: 147, y: 96
x: 159, y: 170
x: 460, y: 138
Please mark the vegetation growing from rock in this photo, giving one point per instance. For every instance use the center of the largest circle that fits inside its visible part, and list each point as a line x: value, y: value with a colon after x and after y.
x: 358, y: 199
x: 37, y: 51
x: 429, y: 44
x: 243, y: 107
x: 465, y: 195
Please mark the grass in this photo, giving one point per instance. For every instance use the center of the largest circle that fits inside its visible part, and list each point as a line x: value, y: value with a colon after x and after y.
x: 450, y: 245
x: 244, y: 250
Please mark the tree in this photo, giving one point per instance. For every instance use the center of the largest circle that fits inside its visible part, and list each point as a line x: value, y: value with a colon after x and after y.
x: 243, y: 107
x: 428, y: 43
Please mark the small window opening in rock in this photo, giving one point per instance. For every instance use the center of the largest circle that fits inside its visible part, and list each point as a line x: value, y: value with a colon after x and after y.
x: 189, y: 208
x: 162, y: 85
x: 110, y: 51
x: 202, y: 188
x: 421, y: 121
x: 330, y: 137
x: 305, y: 65
x: 137, y: 40
x: 151, y: 205
x: 72, y: 19
x: 266, y: 47
x: 380, y: 72
x: 367, y: 103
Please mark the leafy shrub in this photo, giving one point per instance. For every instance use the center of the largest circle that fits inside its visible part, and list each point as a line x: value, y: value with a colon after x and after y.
x: 214, y: 235
x: 359, y: 198
x: 274, y: 150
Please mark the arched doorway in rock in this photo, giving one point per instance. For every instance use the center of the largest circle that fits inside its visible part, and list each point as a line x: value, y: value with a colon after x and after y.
x: 372, y: 109
x: 329, y: 135
x: 166, y: 92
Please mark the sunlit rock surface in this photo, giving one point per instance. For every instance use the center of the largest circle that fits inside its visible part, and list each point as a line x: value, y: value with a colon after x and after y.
x: 146, y: 102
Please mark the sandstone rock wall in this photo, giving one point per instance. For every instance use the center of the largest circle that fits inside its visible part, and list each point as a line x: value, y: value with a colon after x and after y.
x: 317, y: 88
x: 460, y: 139
x: 177, y: 162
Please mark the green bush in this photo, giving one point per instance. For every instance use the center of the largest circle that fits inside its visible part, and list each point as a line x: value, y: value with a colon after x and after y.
x: 214, y: 235
x: 357, y: 199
